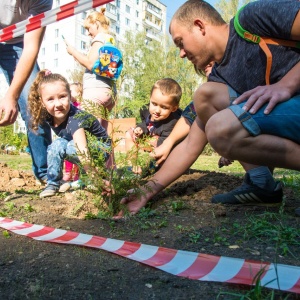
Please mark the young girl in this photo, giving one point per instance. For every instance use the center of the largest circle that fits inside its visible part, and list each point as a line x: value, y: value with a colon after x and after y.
x: 97, y: 89
x: 50, y: 100
x: 72, y: 170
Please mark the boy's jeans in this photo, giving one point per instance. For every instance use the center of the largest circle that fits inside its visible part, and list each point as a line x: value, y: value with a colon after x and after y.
x: 38, y: 142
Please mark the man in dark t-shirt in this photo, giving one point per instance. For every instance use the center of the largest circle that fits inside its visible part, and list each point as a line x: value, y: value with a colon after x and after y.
x: 263, y: 127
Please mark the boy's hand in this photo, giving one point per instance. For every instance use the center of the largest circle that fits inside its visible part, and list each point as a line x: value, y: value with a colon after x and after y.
x: 138, y: 131
x: 224, y: 162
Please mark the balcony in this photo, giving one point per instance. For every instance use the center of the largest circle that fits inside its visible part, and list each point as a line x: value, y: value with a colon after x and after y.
x: 151, y: 36
x: 153, y: 10
x: 112, y: 15
x: 149, y: 23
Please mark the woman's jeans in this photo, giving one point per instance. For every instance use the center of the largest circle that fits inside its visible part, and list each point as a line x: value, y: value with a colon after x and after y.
x: 38, y: 142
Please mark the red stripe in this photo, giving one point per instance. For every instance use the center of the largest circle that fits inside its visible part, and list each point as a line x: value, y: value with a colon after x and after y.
x: 161, y: 257
x: 296, y: 287
x: 203, y: 265
x: 68, y: 236
x: 9, y: 28
x: 6, y: 220
x: 97, y: 3
x: 7, y: 33
x: 95, y: 241
x: 248, y: 272
x: 30, y: 27
x: 128, y: 248
x: 40, y: 232
x: 67, y: 10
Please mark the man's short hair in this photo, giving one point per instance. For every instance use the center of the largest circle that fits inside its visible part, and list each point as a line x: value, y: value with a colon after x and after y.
x: 193, y: 9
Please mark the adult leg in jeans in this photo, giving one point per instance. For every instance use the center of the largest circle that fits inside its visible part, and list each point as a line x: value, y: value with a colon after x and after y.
x: 38, y: 142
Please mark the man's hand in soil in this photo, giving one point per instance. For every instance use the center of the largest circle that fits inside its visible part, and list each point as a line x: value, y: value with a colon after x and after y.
x: 134, y: 202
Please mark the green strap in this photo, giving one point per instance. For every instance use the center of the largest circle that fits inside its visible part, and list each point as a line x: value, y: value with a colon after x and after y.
x: 250, y: 37
x: 242, y: 32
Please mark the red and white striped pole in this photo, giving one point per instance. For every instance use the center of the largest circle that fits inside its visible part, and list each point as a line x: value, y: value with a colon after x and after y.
x: 49, y: 17
x: 192, y: 265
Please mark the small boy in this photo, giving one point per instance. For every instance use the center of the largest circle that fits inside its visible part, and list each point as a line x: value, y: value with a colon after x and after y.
x: 159, y: 119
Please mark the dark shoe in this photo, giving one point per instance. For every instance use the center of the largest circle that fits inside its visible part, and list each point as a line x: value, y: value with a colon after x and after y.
x: 297, y: 211
x: 49, y: 191
x: 250, y: 194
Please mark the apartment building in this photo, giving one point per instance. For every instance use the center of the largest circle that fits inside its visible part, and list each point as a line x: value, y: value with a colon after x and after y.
x: 125, y: 15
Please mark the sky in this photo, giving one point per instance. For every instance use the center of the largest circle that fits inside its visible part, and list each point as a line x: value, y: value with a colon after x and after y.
x: 173, y: 5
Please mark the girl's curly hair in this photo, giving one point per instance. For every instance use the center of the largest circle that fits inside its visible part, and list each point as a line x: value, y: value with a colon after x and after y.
x: 36, y: 110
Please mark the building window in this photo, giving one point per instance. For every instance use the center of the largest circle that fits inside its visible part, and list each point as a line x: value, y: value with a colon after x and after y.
x: 128, y: 9
x: 118, y: 3
x: 56, y: 32
x: 117, y: 29
x: 136, y: 26
x: 83, y: 15
x: 127, y: 21
x: 83, y: 45
x: 55, y: 62
x: 43, y: 51
x: 137, y: 2
x: 83, y: 30
x: 57, y: 2
x: 118, y: 17
x: 42, y: 65
x: 56, y: 47
x: 137, y: 13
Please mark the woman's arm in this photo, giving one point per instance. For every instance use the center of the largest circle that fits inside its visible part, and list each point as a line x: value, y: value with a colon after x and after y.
x: 88, y: 60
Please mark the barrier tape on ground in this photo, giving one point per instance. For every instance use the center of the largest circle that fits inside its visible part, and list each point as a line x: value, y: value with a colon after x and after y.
x: 187, y: 264
x: 49, y: 17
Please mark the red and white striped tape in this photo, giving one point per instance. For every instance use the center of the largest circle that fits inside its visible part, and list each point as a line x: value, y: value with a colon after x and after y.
x: 48, y: 17
x: 192, y: 265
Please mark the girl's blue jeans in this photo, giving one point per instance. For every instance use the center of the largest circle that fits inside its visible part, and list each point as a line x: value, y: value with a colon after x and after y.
x: 60, y: 150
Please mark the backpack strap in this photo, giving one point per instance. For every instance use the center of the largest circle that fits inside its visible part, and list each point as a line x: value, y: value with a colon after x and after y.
x: 262, y: 41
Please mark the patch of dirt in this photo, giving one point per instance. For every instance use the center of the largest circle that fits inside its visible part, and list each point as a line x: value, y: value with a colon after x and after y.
x: 184, y: 219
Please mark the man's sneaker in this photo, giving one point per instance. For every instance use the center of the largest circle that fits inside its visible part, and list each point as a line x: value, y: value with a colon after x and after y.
x: 49, y: 191
x: 250, y: 194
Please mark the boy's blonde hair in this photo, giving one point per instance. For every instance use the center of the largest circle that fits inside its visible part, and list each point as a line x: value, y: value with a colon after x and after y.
x: 37, y: 111
x: 99, y: 16
x: 168, y: 87
x: 193, y: 9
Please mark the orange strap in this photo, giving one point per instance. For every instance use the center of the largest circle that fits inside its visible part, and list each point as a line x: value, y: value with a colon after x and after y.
x: 263, y: 41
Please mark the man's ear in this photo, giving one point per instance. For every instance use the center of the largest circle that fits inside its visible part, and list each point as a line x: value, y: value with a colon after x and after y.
x: 200, y: 24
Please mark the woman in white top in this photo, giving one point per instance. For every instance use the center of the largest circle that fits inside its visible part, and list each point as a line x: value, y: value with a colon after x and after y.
x: 97, y: 89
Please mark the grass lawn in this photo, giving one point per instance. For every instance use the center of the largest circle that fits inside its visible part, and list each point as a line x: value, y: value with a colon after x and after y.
x: 204, y: 163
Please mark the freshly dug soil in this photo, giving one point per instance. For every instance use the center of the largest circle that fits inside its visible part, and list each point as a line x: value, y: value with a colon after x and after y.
x: 181, y: 218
